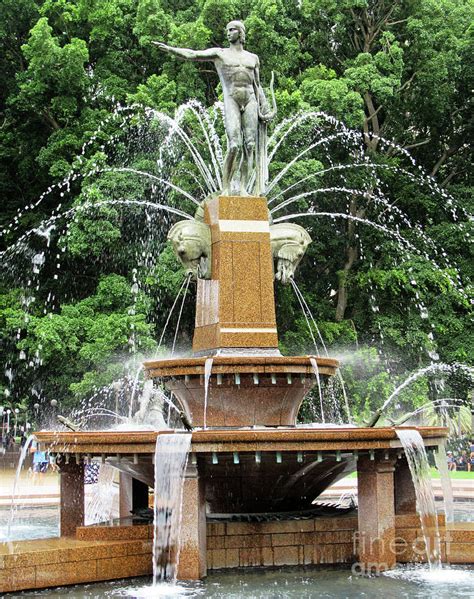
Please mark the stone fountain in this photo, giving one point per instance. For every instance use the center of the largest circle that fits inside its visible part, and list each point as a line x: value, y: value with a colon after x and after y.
x: 252, y: 476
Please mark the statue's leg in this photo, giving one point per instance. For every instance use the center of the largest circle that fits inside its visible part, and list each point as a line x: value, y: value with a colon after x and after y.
x: 249, y: 127
x: 234, y: 143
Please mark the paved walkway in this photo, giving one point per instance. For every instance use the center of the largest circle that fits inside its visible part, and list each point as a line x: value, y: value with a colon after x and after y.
x: 462, y: 489
x: 32, y: 489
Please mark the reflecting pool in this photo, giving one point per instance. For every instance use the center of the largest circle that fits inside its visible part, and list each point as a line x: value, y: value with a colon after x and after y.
x: 409, y: 582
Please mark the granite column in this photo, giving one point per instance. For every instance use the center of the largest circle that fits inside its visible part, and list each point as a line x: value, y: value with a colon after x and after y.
x: 192, y: 558
x: 72, y: 497
x: 376, y: 535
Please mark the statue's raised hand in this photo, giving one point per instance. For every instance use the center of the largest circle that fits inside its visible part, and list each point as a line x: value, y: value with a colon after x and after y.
x: 162, y: 46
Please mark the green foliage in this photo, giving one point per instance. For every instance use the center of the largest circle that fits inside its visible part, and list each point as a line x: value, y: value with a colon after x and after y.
x: 83, y: 339
x: 151, y: 22
x: 55, y: 78
x: 379, y: 73
x: 323, y: 90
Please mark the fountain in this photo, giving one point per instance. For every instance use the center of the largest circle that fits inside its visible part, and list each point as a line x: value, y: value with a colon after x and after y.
x: 246, y: 491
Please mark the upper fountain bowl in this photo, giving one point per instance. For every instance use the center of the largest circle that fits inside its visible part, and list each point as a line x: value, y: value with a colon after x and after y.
x: 241, y: 390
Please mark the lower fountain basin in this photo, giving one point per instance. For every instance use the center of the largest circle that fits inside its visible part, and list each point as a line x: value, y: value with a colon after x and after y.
x: 242, y: 390
x: 246, y: 470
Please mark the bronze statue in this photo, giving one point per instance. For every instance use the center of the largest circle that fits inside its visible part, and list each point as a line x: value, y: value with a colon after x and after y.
x: 246, y: 110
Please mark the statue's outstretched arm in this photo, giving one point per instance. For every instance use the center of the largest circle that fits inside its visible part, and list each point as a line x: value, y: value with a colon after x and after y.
x: 188, y: 54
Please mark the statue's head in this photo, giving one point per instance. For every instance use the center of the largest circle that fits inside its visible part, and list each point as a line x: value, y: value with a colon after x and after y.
x: 236, y: 25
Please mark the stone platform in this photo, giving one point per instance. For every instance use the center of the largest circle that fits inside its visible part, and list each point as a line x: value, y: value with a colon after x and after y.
x: 276, y: 469
x: 124, y: 552
x: 254, y: 470
x: 120, y: 551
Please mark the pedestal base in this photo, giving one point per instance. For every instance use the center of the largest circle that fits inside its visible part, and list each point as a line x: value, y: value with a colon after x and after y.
x: 236, y: 307
x: 376, y: 535
x: 193, y: 547
x: 71, y: 483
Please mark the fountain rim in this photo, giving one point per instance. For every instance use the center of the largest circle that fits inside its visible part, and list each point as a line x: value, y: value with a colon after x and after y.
x: 240, y: 364
x: 362, y: 438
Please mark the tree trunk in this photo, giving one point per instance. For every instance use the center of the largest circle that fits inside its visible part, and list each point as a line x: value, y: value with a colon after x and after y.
x: 352, y: 253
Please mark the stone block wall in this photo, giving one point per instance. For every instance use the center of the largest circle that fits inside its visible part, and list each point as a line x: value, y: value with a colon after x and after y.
x: 325, y: 541
x: 283, y: 543
x: 86, y: 562
x: 109, y: 552
x: 65, y: 560
x: 460, y: 543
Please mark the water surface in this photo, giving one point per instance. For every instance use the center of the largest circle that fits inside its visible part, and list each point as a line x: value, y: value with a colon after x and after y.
x: 286, y: 583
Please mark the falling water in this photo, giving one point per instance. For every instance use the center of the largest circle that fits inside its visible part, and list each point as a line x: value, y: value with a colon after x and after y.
x: 14, y: 504
x: 314, y: 364
x: 176, y: 137
x: 188, y: 279
x: 170, y: 402
x: 171, y: 457
x: 154, y: 177
x: 185, y: 282
x: 299, y: 296
x: 99, y: 502
x: 210, y: 135
x: 425, y: 503
x: 308, y: 315
x: 310, y: 319
x: 344, y: 395
x: 442, y: 465
x: 20, y: 244
x: 195, y: 154
x: 207, y: 378
x: 134, y: 389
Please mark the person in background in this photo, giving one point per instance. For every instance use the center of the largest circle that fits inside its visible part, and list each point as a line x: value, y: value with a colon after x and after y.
x: 10, y: 442
x: 40, y: 460
x: 462, y: 461
x: 22, y: 438
x: 91, y: 473
x: 451, y: 461
x: 470, y: 463
x: 52, y: 464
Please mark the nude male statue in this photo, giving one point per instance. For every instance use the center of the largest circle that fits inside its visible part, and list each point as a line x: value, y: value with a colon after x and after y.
x: 244, y: 101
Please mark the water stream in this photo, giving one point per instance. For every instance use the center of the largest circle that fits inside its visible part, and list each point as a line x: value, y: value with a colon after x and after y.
x: 442, y: 465
x: 307, y: 311
x: 99, y: 503
x: 171, y: 457
x: 299, y: 296
x: 433, y: 367
x: 425, y: 502
x: 185, y: 282
x: 314, y: 364
x: 134, y: 389
x: 310, y: 320
x: 188, y: 279
x: 14, y: 505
